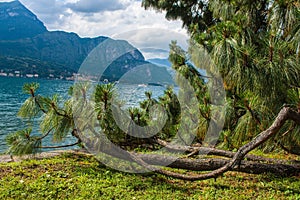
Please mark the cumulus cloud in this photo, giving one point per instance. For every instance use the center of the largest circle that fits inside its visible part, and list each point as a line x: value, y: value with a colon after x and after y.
x: 153, y: 42
x: 48, y: 11
x: 94, y: 6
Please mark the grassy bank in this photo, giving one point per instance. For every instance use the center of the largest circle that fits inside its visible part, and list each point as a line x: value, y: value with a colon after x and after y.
x: 78, y: 176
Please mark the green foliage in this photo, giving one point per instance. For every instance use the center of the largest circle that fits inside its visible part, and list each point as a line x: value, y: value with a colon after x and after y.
x: 103, y: 95
x: 30, y: 88
x: 53, y: 119
x: 30, y: 108
x: 254, y: 45
x: 82, y: 177
x: 105, y: 98
x: 22, y: 142
x: 191, y: 12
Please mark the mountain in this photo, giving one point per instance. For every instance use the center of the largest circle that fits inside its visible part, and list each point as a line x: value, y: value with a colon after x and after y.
x: 27, y: 48
x: 160, y: 61
x: 14, y: 21
x: 58, y: 47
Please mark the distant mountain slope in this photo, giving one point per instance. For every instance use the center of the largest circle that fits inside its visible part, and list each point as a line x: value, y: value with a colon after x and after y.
x: 58, y: 47
x: 160, y: 61
x: 27, y: 47
x: 15, y: 20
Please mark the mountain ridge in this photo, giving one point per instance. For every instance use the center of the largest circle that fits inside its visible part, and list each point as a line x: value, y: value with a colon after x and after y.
x: 27, y: 48
x: 14, y: 12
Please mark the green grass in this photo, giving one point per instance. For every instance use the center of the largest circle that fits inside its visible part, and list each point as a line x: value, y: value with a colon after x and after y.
x: 77, y: 176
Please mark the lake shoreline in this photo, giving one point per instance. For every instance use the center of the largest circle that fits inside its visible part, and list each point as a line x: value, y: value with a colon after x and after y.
x: 5, y: 158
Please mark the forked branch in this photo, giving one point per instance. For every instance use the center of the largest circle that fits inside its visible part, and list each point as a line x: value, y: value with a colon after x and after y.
x: 233, y: 164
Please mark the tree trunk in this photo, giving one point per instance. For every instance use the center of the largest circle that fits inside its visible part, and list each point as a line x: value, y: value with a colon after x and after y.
x: 216, y: 166
x: 213, y: 164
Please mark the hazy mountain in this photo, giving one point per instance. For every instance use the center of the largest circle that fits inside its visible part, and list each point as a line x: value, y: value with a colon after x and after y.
x: 26, y: 46
x: 160, y: 61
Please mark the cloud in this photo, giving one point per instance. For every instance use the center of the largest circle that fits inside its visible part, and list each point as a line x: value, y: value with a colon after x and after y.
x: 154, y: 37
x: 153, y: 42
x: 94, y: 6
x: 48, y: 11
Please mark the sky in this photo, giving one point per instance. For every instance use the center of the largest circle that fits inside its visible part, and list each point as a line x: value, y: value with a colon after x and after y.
x: 148, y: 30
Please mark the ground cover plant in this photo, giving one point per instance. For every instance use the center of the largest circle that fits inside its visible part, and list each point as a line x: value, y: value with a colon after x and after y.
x: 81, y: 176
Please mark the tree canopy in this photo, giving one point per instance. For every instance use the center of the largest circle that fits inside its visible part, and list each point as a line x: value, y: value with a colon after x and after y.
x: 254, y: 45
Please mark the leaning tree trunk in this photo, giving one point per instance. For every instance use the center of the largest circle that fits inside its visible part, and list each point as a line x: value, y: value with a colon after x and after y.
x: 234, y: 161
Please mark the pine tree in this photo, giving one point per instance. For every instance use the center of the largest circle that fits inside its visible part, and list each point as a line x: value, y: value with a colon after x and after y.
x: 254, y: 45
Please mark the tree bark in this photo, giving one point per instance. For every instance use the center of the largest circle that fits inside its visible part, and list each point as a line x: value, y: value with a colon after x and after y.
x: 284, y: 115
x: 214, y: 163
x: 218, y: 166
x: 213, y: 151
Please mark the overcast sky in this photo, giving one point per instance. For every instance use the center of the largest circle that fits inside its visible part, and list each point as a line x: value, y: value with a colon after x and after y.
x: 147, y: 30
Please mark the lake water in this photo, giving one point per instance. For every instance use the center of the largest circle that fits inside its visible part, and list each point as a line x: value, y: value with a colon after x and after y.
x: 12, y: 97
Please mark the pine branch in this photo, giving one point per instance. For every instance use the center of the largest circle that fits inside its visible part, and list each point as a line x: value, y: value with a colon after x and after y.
x: 57, y: 147
x: 42, y: 137
x: 253, y: 114
x: 58, y: 113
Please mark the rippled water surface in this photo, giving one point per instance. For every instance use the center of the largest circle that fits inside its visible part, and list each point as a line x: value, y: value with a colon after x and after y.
x: 12, y: 97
